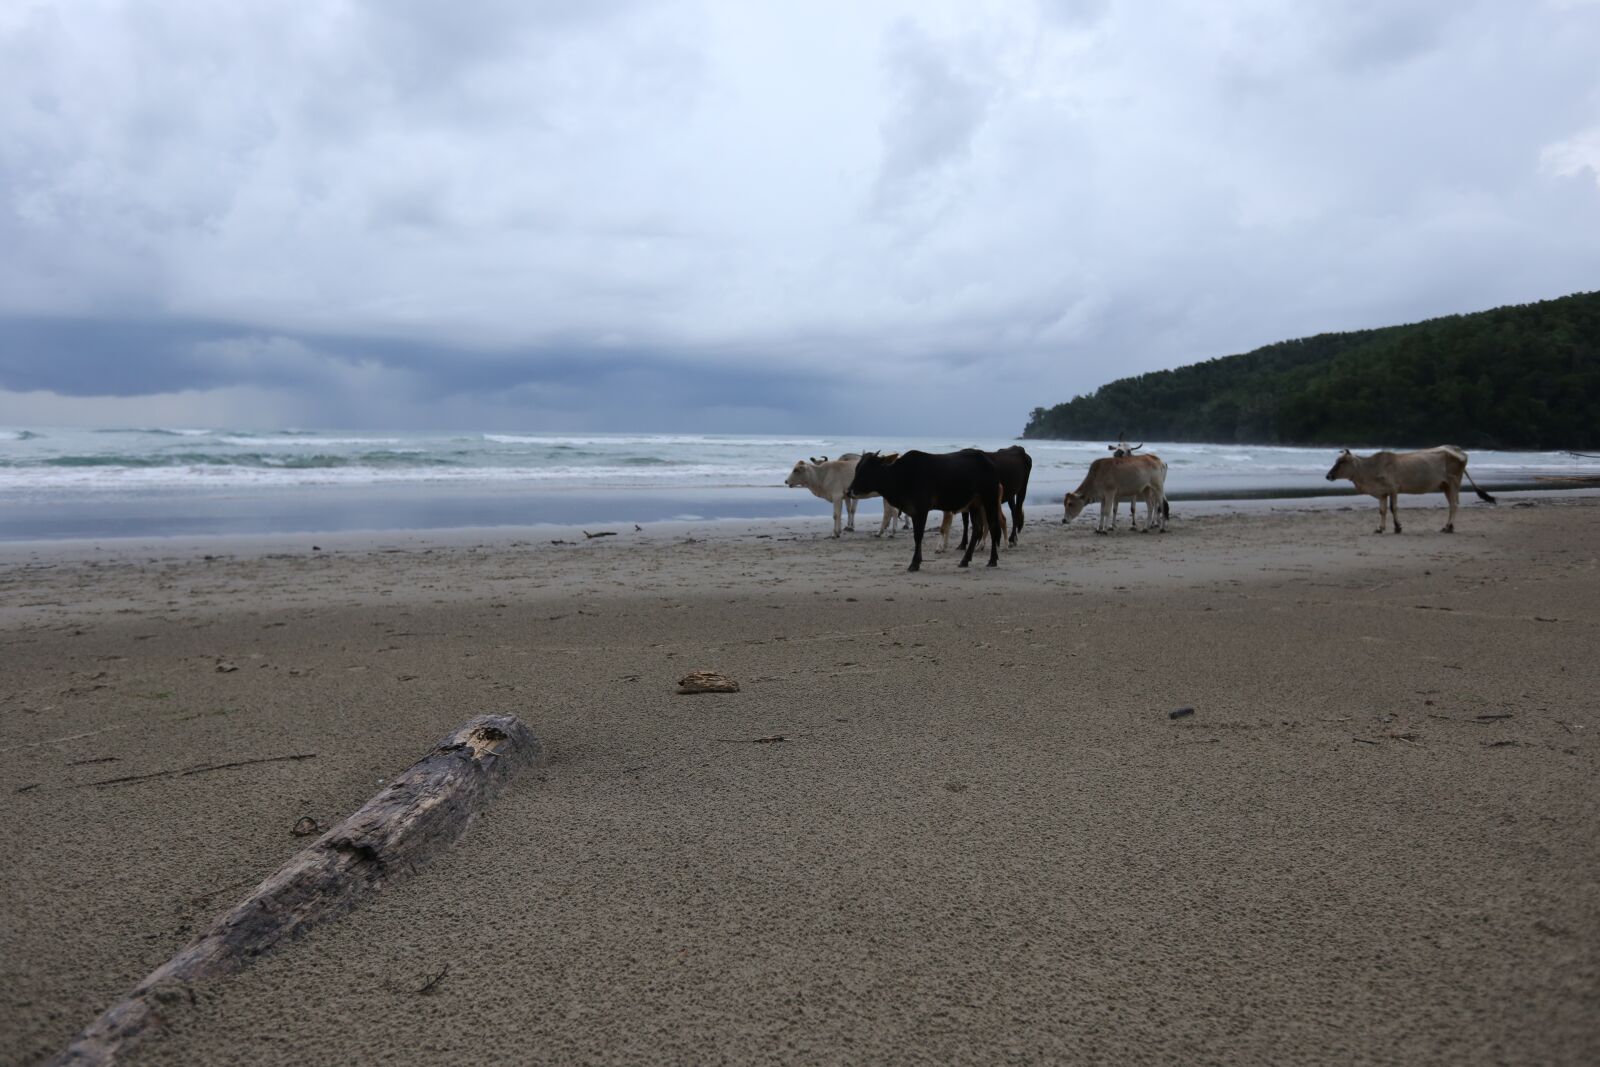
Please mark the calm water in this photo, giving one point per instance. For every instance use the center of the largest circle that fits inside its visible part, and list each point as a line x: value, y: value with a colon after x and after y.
x: 184, y: 480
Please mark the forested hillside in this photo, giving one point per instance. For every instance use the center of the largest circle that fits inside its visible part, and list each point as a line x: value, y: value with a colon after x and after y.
x: 1525, y: 376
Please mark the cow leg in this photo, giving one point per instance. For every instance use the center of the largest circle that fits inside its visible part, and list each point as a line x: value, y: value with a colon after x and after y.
x: 944, y: 531
x: 838, y: 507
x: 1383, y: 514
x: 1016, y: 518
x: 850, y: 504
x: 984, y: 512
x: 1452, y: 493
x: 997, y: 529
x: 966, y: 532
x: 919, y: 521
x: 1394, y: 510
x: 890, y: 514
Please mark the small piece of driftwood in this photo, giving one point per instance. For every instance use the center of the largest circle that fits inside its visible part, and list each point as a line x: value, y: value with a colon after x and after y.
x: 707, y: 682
x: 421, y: 812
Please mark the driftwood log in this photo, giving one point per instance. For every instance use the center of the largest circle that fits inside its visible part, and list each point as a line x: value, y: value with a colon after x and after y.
x: 421, y: 812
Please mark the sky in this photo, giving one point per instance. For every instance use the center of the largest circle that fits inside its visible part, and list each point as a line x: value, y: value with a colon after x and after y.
x: 830, y: 217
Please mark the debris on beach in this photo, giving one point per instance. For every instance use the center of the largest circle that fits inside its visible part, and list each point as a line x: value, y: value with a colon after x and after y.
x: 226, y: 666
x: 707, y: 682
x: 1180, y: 713
x: 602, y: 533
x: 305, y: 826
x: 432, y: 980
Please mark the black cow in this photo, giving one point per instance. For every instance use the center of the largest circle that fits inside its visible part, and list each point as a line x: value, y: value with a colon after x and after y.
x: 1015, y: 467
x: 919, y: 482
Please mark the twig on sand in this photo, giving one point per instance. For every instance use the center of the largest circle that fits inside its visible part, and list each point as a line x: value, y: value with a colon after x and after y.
x: 202, y: 769
x: 770, y: 739
x: 602, y: 533
x: 433, y: 980
x: 1363, y: 741
x: 422, y: 811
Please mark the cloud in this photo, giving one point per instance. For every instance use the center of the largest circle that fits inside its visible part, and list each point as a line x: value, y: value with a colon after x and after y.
x: 865, y: 214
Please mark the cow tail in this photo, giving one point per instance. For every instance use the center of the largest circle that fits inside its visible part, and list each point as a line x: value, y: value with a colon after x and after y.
x: 1166, y: 510
x: 1481, y: 494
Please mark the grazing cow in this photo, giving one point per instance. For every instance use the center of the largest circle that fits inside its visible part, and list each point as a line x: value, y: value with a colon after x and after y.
x: 830, y: 480
x: 1140, y: 477
x: 918, y: 482
x: 1385, y: 475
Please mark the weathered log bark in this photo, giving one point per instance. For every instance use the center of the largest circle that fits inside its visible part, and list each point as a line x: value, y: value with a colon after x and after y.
x: 423, y: 810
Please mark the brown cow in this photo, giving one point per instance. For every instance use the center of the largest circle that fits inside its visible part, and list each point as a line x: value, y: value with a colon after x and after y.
x: 1385, y: 475
x: 1137, y: 477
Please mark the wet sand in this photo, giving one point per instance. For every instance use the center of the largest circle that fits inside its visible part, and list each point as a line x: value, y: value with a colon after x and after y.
x: 982, y: 840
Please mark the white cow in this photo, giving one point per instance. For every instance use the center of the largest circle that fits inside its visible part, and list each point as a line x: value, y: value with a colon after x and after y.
x: 1385, y: 475
x: 829, y: 479
x: 1141, y: 477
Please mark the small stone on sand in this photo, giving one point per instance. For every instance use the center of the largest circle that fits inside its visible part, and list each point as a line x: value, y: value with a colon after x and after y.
x: 707, y: 682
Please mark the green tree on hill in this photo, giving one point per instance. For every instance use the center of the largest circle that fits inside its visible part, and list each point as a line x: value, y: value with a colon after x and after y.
x: 1523, y: 376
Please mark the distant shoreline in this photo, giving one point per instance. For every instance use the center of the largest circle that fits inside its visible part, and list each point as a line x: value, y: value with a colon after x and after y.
x: 511, y: 520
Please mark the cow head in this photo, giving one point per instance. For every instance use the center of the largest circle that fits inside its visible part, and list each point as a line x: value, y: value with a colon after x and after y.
x: 1343, y: 467
x: 800, y: 476
x: 869, y: 474
x: 1073, y: 506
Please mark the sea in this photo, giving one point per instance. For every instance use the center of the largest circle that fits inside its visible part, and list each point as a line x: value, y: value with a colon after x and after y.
x: 179, y: 481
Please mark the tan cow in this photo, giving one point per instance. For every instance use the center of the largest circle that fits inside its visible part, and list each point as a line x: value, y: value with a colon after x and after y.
x: 829, y: 479
x: 1140, y: 477
x: 1385, y: 475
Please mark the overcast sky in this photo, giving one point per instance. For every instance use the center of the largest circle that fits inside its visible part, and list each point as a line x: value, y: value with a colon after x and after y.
x: 741, y: 216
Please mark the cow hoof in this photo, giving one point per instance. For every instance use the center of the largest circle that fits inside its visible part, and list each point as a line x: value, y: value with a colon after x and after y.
x: 914, y: 567
x: 963, y: 563
x: 993, y: 563
x: 1449, y: 529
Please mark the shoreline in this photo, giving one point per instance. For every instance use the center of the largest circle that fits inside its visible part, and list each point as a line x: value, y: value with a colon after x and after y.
x: 811, y: 523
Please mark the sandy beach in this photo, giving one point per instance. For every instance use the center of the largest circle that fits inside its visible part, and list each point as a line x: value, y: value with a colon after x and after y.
x: 982, y: 840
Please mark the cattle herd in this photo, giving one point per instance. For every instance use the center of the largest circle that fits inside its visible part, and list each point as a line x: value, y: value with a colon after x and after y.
x: 980, y: 486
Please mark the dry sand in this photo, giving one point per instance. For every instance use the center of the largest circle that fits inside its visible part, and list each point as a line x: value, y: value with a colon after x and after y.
x: 982, y: 841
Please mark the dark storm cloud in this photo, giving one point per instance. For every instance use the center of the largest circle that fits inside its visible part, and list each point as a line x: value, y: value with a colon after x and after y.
x: 864, y: 214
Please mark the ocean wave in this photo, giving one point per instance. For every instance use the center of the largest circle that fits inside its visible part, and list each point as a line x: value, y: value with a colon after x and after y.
x: 19, y: 435
x: 306, y: 440
x: 688, y: 440
x: 263, y: 460
x: 156, y: 431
